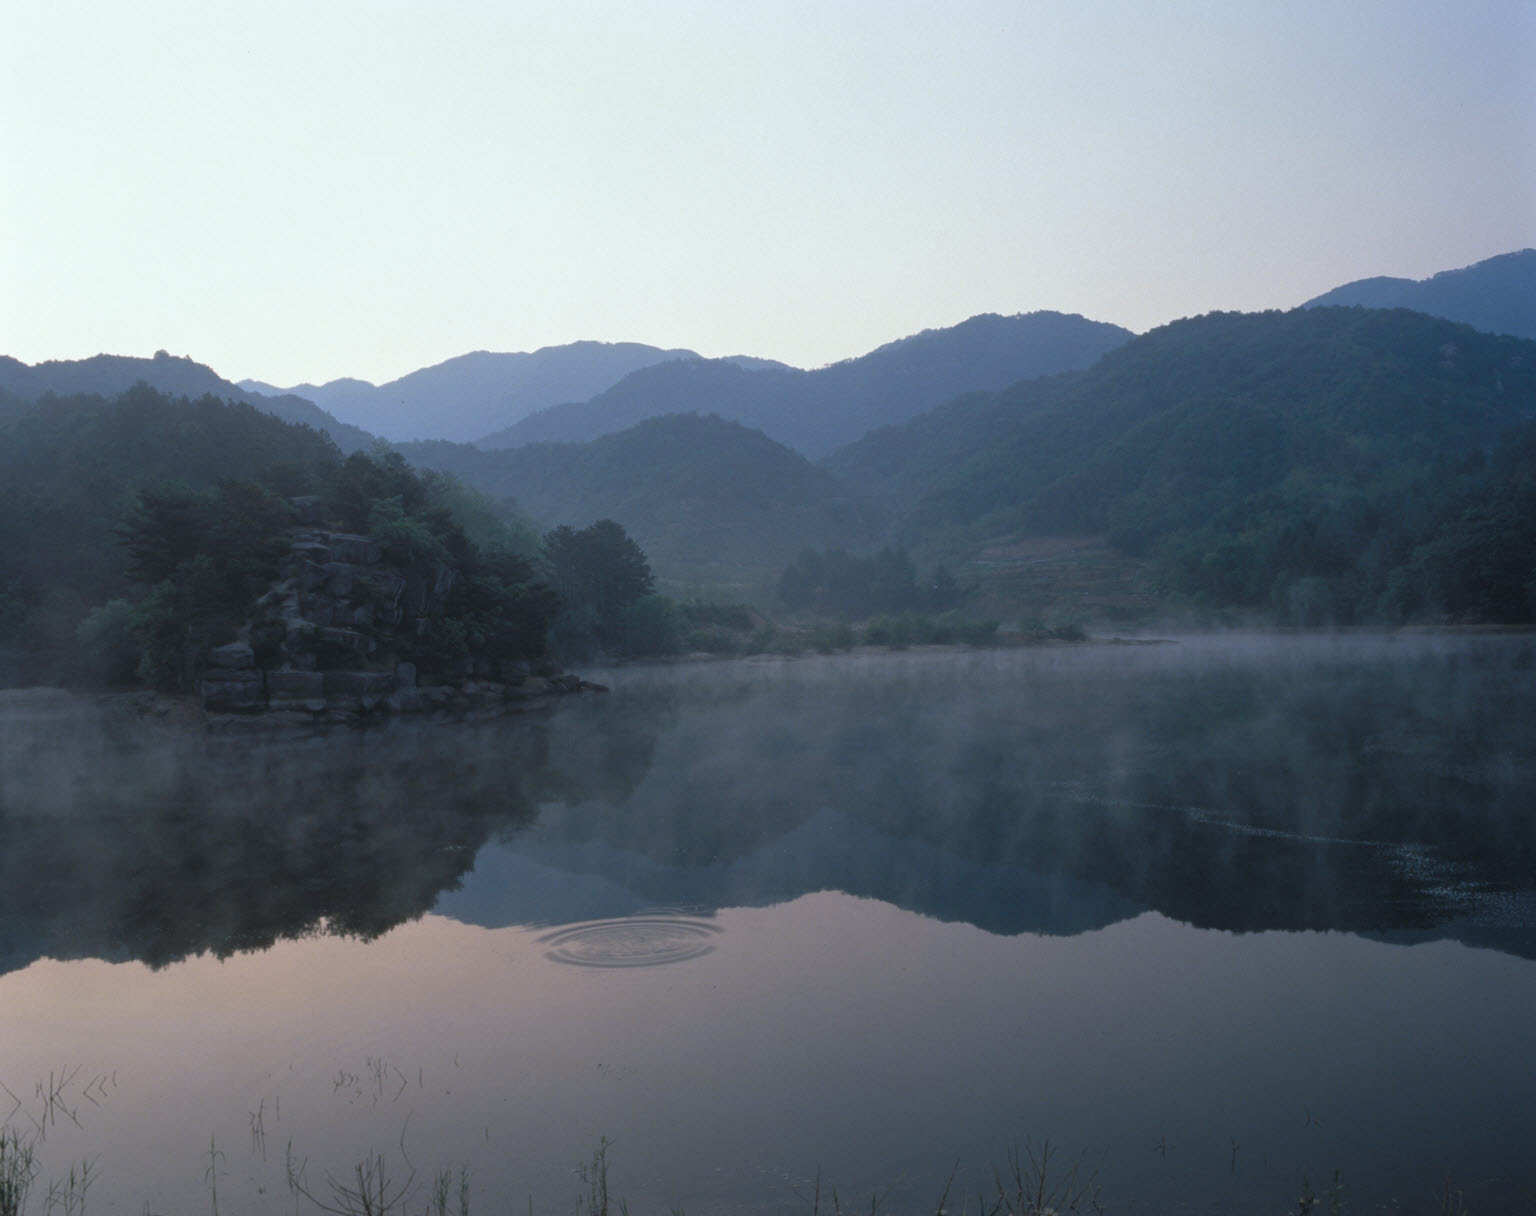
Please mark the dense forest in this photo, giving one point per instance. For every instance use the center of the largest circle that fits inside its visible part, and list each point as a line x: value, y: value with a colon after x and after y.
x: 712, y: 502
x: 144, y: 531
x: 1324, y: 466
x: 1319, y: 466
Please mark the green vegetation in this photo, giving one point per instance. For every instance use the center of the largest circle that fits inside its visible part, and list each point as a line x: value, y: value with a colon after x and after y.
x: 18, y: 1170
x: 1032, y: 1181
x: 605, y: 585
x: 1325, y: 466
x: 146, y: 530
x: 73, y: 468
x: 1331, y: 466
x: 711, y: 502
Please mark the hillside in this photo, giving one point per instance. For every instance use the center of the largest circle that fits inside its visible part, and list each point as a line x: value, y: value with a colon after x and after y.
x: 709, y: 501
x: 1497, y: 296
x: 69, y: 466
x: 817, y: 411
x: 109, y: 375
x: 1360, y: 462
x: 466, y: 397
x: 202, y: 544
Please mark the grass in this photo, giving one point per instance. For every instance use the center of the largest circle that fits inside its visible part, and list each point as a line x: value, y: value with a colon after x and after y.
x: 18, y: 1170
x: 1031, y: 1182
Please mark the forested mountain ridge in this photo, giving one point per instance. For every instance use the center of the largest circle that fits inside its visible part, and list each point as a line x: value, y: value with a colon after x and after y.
x: 109, y: 375
x: 816, y: 411
x: 143, y: 532
x: 1339, y: 451
x: 1497, y: 295
x: 708, y: 500
x: 69, y: 467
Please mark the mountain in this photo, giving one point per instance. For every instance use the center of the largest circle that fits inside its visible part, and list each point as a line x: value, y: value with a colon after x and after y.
x: 109, y: 375
x: 817, y: 411
x: 466, y: 397
x: 1497, y: 296
x: 1334, y: 463
x: 708, y: 500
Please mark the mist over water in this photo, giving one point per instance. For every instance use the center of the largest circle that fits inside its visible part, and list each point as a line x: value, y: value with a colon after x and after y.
x: 1266, y: 905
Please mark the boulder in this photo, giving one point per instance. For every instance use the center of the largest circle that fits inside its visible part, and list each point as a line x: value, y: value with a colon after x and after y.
x: 359, y: 683
x: 357, y: 690
x: 296, y: 690
x: 350, y: 547
x: 234, y: 692
x: 235, y: 656
x: 313, y: 551
x: 406, y: 700
x: 339, y: 578
x: 358, y: 643
x: 311, y: 575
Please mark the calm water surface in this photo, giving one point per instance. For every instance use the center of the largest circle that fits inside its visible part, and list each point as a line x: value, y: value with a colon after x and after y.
x: 1215, y: 919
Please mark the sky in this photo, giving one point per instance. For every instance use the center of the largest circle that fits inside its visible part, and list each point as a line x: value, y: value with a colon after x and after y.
x: 295, y: 192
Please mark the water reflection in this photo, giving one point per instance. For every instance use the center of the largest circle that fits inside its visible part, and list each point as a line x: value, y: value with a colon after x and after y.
x: 903, y: 907
x: 122, y: 839
x: 1379, y: 786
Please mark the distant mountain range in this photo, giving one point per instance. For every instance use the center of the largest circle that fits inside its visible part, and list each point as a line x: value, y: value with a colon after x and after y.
x: 1497, y: 296
x: 584, y: 390
x: 464, y: 398
x: 1328, y: 463
x: 817, y: 411
x: 710, y: 501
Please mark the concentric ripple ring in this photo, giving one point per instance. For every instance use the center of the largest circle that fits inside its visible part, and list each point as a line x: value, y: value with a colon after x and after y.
x: 631, y: 941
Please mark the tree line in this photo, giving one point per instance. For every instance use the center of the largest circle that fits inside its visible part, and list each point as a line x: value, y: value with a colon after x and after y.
x: 142, y: 529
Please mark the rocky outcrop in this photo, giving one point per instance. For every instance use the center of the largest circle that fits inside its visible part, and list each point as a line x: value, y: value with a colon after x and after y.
x: 320, y: 697
x: 323, y: 645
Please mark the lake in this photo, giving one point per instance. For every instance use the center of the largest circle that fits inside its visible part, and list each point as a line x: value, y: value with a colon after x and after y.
x: 1219, y: 924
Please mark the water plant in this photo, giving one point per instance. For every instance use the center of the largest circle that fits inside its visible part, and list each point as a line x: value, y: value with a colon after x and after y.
x: 67, y: 1195
x: 1036, y: 1183
x: 18, y: 1170
x: 444, y: 1192
x: 594, y: 1178
x: 370, y: 1191
x: 1452, y: 1201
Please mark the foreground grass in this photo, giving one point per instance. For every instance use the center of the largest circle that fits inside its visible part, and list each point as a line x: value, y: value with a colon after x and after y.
x: 1030, y: 1183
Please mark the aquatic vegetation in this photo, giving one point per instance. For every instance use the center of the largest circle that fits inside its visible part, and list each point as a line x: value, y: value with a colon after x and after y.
x: 18, y: 1170
x: 1034, y: 1183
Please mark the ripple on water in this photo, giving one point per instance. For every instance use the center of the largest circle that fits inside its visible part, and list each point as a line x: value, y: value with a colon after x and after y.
x: 631, y: 941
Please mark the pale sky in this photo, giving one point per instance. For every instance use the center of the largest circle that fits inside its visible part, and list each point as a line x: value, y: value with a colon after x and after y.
x: 302, y: 191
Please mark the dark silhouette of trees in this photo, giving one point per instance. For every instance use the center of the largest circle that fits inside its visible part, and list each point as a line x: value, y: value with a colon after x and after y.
x: 599, y: 573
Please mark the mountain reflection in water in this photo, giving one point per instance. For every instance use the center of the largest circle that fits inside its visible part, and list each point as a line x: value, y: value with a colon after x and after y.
x: 1381, y: 785
x: 866, y: 911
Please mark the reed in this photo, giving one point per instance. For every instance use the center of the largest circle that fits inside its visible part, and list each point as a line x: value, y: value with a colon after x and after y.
x: 18, y: 1170
x: 1034, y: 1183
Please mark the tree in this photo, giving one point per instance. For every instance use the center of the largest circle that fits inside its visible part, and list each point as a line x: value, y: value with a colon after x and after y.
x: 598, y: 571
